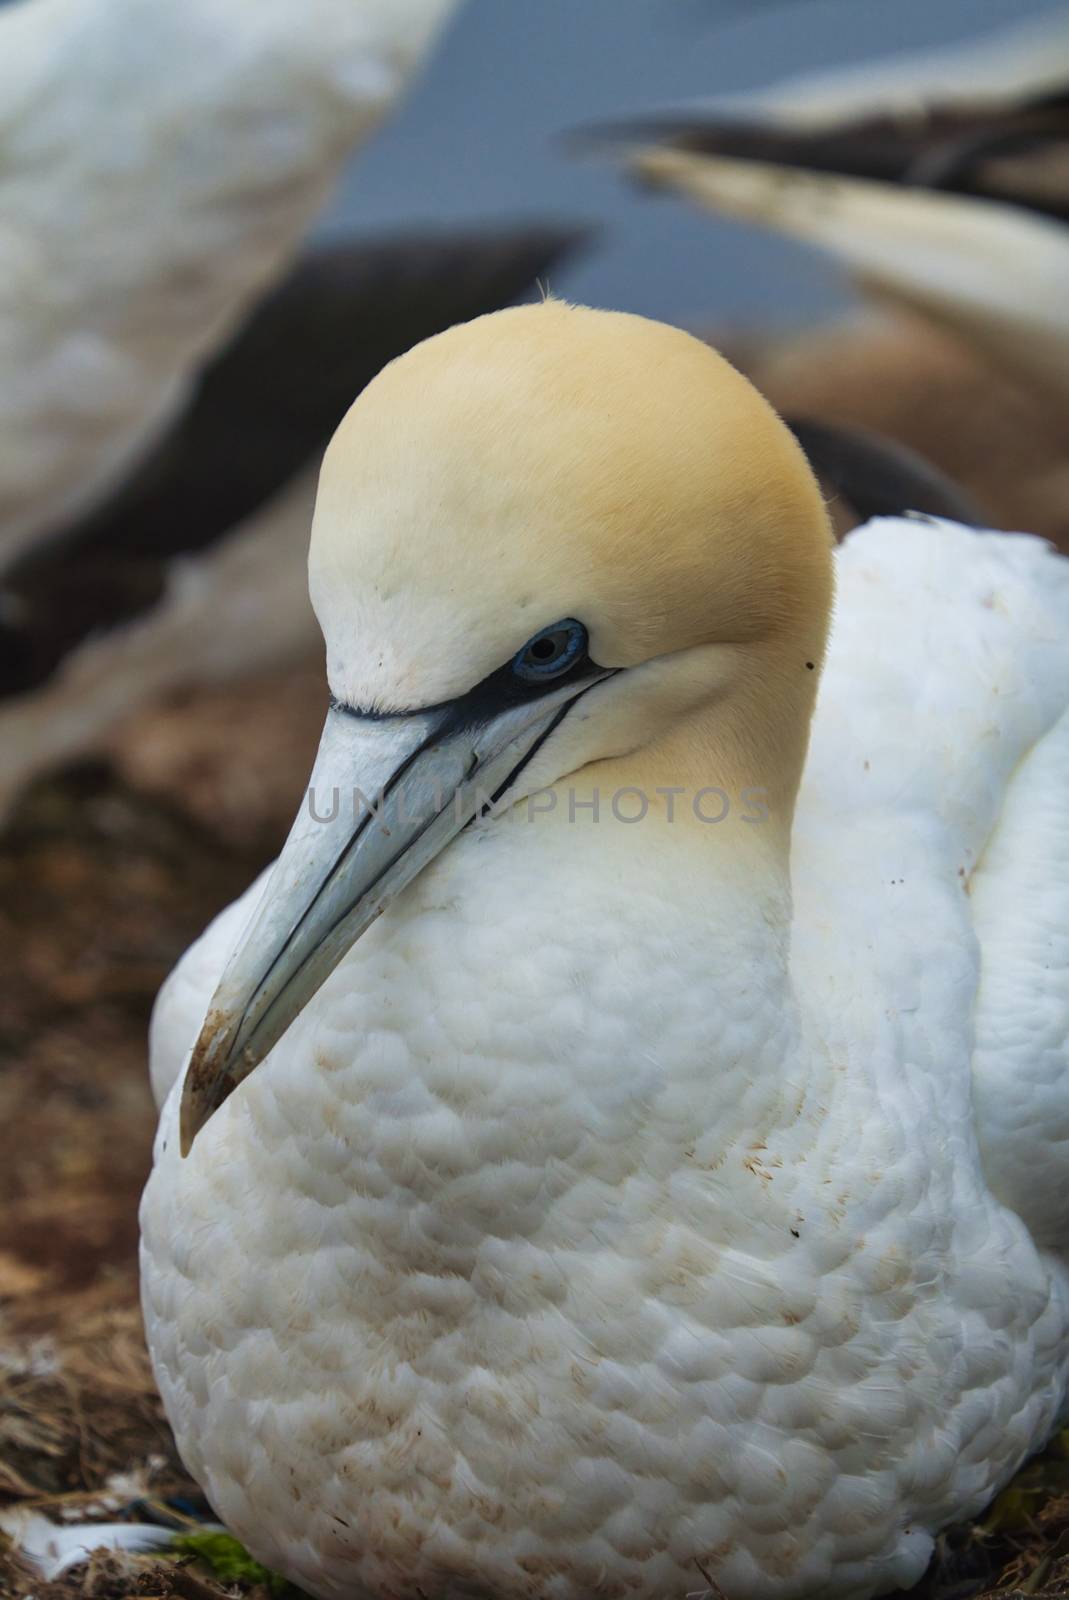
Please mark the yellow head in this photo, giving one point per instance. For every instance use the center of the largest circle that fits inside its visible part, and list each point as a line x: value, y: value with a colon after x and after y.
x: 545, y: 542
x: 553, y: 461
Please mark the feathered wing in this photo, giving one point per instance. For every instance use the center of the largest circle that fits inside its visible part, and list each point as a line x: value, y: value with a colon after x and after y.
x: 937, y: 180
x: 931, y: 856
x: 1020, y: 898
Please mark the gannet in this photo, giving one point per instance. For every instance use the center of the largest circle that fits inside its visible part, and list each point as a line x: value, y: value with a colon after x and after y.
x: 161, y: 165
x: 627, y: 1130
x: 940, y: 182
x: 192, y: 571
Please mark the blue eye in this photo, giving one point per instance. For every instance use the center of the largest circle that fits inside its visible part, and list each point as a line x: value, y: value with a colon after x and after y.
x: 551, y: 652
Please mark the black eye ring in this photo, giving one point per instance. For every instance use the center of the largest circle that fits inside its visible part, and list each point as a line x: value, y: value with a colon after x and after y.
x: 551, y: 652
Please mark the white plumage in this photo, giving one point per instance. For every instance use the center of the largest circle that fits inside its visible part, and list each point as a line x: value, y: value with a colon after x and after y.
x: 161, y: 164
x: 606, y: 1219
x: 937, y: 180
x: 1016, y: 65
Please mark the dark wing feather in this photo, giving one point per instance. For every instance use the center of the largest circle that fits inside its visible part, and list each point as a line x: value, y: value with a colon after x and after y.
x: 878, y: 477
x: 1018, y: 155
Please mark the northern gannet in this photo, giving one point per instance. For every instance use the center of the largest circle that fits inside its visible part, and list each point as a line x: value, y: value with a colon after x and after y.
x: 193, y: 571
x: 646, y: 1165
x: 161, y: 164
x: 941, y: 183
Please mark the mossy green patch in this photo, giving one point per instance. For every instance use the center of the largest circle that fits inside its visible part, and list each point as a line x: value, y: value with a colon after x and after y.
x: 229, y: 1561
x: 1042, y: 1479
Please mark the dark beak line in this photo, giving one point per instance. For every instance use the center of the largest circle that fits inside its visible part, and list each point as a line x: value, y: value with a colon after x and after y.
x: 308, y: 931
x: 448, y: 725
x: 353, y: 840
x: 525, y: 761
x: 369, y: 889
x: 339, y: 862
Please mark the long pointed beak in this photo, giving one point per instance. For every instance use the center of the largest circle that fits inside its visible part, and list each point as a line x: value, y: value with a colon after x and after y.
x: 386, y: 795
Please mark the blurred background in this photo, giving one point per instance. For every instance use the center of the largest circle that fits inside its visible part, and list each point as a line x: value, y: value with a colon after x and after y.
x: 481, y: 135
x: 218, y: 220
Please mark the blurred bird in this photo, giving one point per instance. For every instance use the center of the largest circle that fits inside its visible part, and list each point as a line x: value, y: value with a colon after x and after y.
x: 193, y: 570
x: 865, y: 474
x: 942, y: 184
x: 573, y: 1207
x: 160, y: 166
x: 909, y: 385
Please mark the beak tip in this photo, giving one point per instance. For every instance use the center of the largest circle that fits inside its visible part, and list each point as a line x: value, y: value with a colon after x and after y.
x: 190, y: 1118
x: 201, y: 1086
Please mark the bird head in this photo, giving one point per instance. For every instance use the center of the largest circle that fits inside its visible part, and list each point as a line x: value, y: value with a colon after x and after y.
x: 545, y: 539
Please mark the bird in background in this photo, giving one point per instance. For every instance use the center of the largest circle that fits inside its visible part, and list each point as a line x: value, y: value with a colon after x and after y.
x: 170, y: 366
x: 192, y: 572
x: 625, y: 1151
x: 161, y: 166
x: 941, y: 183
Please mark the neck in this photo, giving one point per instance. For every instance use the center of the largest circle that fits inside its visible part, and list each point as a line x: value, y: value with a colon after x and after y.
x: 694, y: 829
x: 741, y: 747
x: 663, y: 877
x: 639, y: 986
x: 674, y: 980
